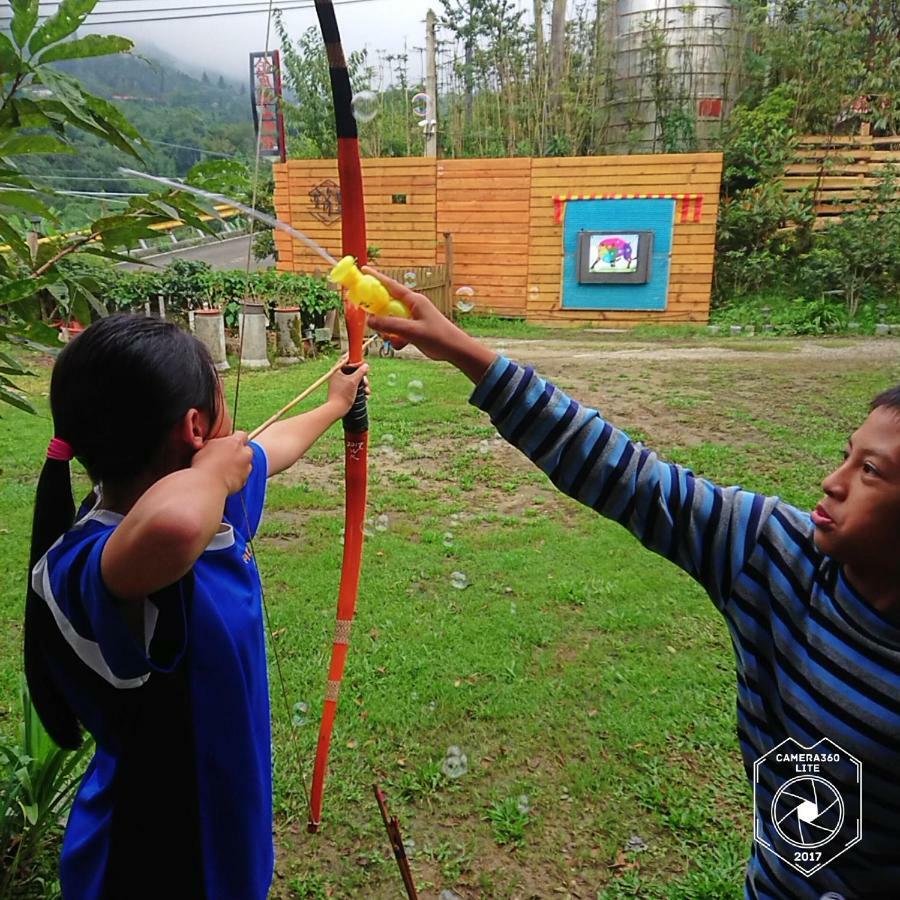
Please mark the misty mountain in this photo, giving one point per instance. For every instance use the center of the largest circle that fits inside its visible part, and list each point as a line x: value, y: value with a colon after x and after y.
x: 184, y: 119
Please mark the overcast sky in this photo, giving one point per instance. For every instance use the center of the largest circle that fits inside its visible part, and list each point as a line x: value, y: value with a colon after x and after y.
x: 222, y: 44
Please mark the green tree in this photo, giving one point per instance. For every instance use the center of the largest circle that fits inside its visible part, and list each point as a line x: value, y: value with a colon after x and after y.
x: 41, y: 107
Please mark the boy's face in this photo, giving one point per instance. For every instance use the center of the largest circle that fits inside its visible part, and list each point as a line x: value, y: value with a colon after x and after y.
x: 858, y: 520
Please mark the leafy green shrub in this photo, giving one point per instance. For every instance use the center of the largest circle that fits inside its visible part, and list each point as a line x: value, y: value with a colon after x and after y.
x: 860, y: 255
x: 37, y: 783
x: 754, y: 246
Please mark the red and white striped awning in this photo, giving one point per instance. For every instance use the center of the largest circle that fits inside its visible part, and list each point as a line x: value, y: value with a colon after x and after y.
x: 690, y: 206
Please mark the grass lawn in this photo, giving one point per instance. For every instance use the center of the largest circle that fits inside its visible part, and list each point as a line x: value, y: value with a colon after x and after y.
x: 589, y: 684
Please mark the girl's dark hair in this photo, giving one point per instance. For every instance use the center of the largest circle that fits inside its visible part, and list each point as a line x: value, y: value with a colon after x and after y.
x: 116, y: 391
x: 889, y: 398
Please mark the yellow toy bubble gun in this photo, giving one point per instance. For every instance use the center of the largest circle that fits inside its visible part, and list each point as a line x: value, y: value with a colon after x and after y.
x: 366, y: 290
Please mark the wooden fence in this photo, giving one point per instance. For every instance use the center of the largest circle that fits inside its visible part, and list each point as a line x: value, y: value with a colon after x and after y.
x: 501, y: 215
x: 841, y: 171
x: 433, y: 281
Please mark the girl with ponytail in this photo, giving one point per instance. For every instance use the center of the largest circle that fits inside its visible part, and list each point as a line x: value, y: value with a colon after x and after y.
x: 143, y: 619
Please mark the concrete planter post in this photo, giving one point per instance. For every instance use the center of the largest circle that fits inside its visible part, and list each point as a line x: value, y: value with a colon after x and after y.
x: 254, y: 344
x: 209, y: 328
x: 287, y: 335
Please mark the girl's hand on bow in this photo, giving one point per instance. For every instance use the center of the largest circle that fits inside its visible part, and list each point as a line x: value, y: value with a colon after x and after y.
x: 342, y: 390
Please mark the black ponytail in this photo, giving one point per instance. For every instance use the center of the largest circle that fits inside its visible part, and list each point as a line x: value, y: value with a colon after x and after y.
x: 116, y: 391
x: 54, y: 513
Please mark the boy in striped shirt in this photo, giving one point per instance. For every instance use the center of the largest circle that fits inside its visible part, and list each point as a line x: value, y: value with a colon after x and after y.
x: 811, y: 600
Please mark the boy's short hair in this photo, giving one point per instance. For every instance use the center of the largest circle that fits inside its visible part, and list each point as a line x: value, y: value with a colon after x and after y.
x: 889, y: 398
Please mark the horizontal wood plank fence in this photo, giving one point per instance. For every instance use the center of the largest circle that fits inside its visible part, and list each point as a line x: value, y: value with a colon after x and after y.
x: 507, y: 243
x: 841, y: 171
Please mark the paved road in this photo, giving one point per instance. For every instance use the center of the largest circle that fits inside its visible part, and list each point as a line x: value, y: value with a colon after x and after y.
x: 229, y: 253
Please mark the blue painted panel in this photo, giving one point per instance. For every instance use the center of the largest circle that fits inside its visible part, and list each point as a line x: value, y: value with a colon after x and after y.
x: 657, y: 216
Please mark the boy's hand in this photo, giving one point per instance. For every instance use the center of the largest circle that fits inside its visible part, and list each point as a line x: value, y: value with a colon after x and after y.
x: 342, y: 390
x: 436, y: 336
x: 229, y: 458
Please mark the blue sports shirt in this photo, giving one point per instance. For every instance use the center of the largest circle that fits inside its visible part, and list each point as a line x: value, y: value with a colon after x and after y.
x: 177, y: 800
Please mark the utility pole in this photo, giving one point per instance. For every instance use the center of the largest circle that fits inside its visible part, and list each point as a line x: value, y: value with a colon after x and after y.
x: 431, y: 84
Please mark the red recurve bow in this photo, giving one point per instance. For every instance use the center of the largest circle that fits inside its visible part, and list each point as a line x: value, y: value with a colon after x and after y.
x: 356, y: 425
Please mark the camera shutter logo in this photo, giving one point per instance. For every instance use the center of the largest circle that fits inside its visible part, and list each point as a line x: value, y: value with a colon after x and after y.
x: 807, y: 803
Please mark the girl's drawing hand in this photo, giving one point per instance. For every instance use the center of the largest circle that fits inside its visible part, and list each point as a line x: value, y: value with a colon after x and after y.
x: 230, y: 458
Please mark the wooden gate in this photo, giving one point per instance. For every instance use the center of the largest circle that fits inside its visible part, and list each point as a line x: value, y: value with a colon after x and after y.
x: 435, y: 282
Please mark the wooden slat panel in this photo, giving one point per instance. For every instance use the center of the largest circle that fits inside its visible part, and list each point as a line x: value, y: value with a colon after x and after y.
x: 507, y: 244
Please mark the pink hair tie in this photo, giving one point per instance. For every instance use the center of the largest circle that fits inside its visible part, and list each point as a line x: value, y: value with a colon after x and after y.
x: 59, y: 449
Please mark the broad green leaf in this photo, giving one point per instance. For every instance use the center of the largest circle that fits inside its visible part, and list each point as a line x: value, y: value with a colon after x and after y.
x: 95, y: 250
x: 80, y: 309
x: 34, y: 115
x: 17, y: 400
x: 10, y: 366
x: 89, y: 45
x: 39, y: 336
x: 69, y: 17
x: 25, y: 16
x: 225, y: 176
x: 18, y: 289
x: 112, y: 223
x: 110, y: 114
x: 80, y: 288
x: 21, y: 144
x: 26, y: 201
x: 14, y: 241
x: 76, y: 105
x: 9, y: 56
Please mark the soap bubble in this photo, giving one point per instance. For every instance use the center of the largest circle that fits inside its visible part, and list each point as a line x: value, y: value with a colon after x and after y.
x: 410, y: 279
x: 392, y: 380
x: 415, y: 391
x: 365, y: 106
x: 387, y: 439
x: 484, y: 448
x: 301, y: 710
x: 448, y: 539
x: 421, y: 104
x: 459, y: 580
x: 455, y: 763
x: 523, y: 804
x: 447, y: 894
x: 465, y: 299
x: 382, y: 522
x: 368, y: 528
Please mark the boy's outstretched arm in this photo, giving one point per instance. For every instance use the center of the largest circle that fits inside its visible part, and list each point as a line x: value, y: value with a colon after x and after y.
x: 707, y: 530
x: 286, y: 441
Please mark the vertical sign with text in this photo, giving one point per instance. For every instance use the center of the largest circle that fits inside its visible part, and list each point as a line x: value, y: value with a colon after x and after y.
x: 265, y: 98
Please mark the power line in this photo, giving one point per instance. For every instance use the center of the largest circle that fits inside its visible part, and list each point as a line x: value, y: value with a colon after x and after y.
x: 175, y: 8
x: 288, y: 7
x: 188, y: 147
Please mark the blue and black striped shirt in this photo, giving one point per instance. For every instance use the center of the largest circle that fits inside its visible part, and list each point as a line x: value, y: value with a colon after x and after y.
x: 814, y: 659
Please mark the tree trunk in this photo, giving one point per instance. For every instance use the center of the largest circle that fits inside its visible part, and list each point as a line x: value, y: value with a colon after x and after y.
x: 557, y: 52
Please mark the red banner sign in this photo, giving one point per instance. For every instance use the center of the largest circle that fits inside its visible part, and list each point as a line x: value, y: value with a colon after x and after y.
x: 265, y: 97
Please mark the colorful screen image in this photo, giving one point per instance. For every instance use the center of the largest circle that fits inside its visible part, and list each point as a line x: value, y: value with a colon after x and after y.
x: 614, y: 252
x: 614, y: 257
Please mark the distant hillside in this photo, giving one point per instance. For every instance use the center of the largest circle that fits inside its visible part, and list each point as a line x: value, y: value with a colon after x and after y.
x: 166, y: 105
